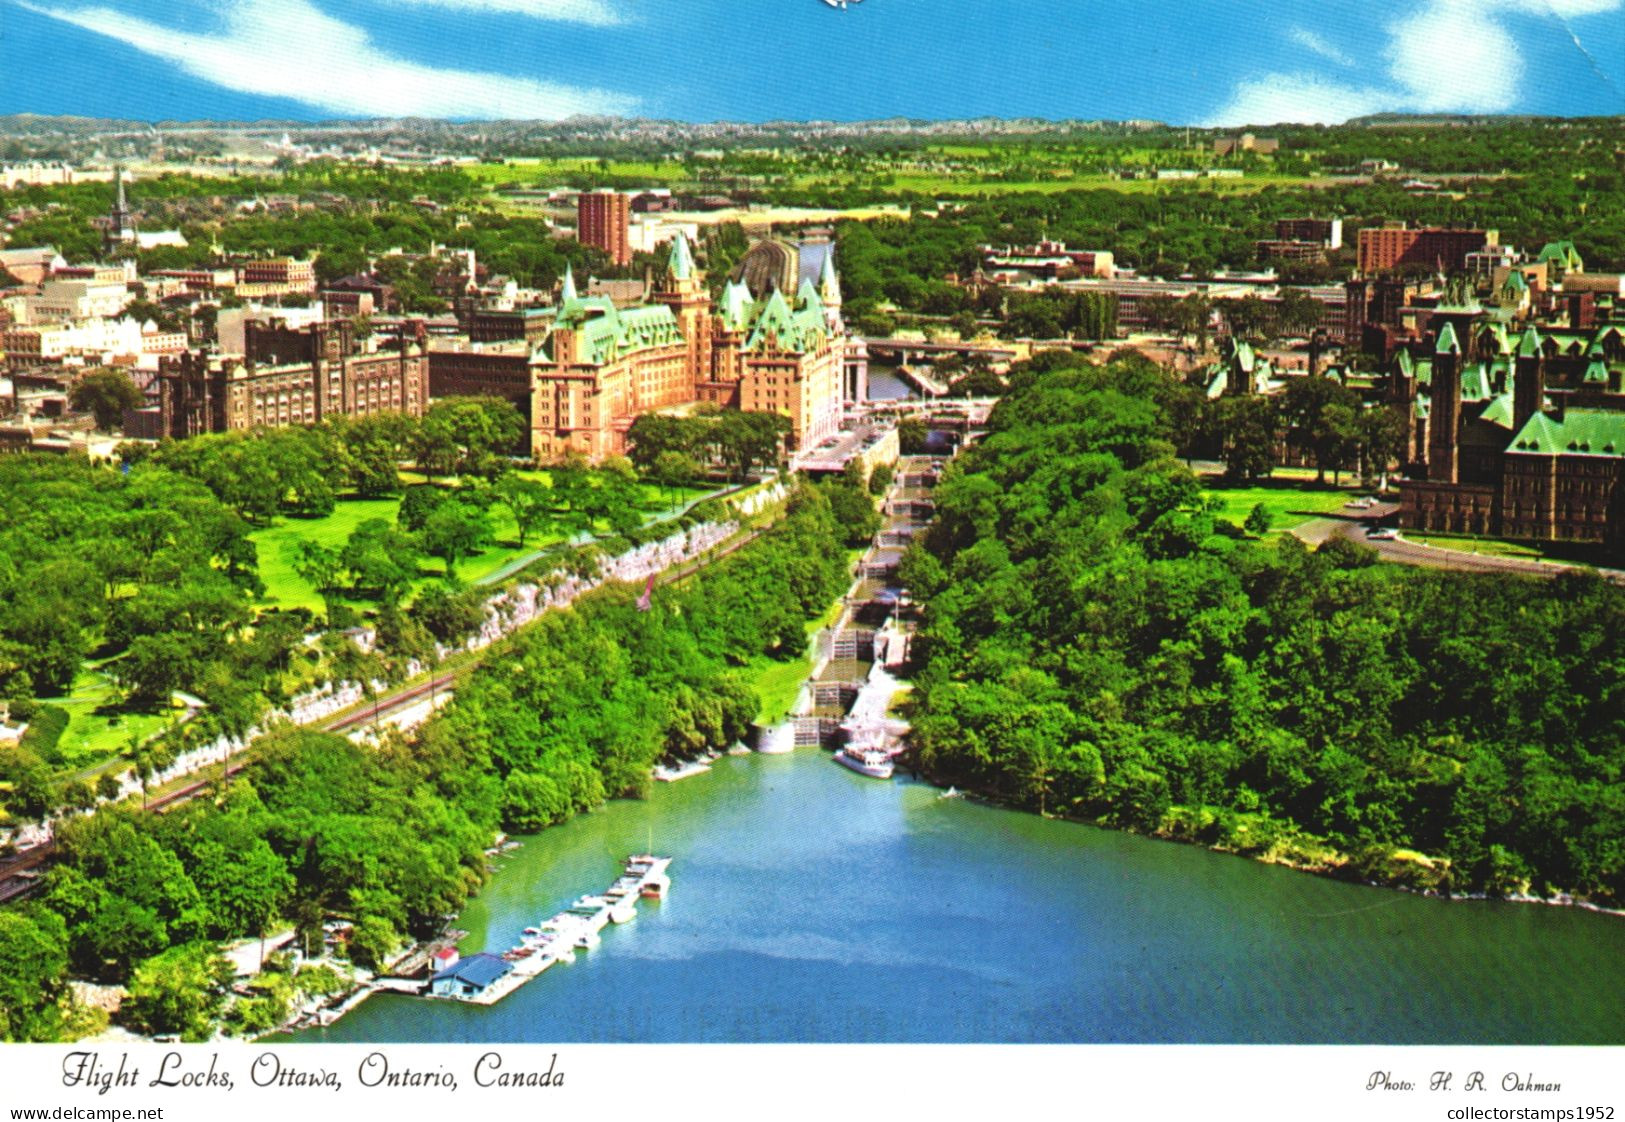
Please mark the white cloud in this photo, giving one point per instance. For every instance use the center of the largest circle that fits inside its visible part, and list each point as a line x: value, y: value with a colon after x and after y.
x: 1455, y: 57
x: 1318, y: 45
x: 289, y: 48
x: 1562, y: 9
x: 597, y: 13
x: 1296, y: 98
x: 1446, y: 56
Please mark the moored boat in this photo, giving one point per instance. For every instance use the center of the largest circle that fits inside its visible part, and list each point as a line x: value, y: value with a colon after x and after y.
x: 874, y: 763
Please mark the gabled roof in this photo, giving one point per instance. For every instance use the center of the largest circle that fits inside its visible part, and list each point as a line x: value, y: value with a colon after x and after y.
x: 734, y: 307
x: 1499, y: 412
x: 1563, y: 252
x: 477, y: 970
x: 1475, y: 382
x: 1580, y: 432
x: 1529, y: 344
x: 775, y: 321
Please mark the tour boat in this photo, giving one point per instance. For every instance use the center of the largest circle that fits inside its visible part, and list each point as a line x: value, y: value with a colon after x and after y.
x: 873, y: 763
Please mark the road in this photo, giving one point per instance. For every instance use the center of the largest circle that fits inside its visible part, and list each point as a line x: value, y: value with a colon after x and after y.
x: 1354, y: 526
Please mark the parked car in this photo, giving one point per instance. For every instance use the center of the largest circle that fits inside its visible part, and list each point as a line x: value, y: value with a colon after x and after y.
x: 1382, y: 533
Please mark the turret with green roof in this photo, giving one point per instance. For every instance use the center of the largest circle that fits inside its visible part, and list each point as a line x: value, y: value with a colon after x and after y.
x: 681, y: 261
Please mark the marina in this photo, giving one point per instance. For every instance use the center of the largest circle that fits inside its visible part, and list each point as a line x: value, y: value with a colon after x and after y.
x: 485, y: 979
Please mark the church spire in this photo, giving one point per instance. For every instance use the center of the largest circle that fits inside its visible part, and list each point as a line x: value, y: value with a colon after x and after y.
x: 569, y: 292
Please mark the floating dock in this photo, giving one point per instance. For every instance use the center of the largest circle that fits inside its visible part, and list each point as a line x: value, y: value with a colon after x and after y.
x: 574, y: 929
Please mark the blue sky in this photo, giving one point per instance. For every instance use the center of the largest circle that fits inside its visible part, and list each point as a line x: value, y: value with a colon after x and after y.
x: 1202, y: 62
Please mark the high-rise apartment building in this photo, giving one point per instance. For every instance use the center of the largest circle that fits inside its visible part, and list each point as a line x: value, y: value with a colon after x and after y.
x: 604, y: 219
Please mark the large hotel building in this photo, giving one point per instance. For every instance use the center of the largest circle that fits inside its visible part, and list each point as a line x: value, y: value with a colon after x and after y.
x: 765, y: 352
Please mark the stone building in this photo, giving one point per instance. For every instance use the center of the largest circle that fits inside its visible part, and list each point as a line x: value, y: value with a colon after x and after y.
x: 1518, y: 436
x: 602, y: 366
x: 290, y: 376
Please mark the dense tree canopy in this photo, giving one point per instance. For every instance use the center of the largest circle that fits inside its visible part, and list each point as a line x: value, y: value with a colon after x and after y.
x: 1092, y: 646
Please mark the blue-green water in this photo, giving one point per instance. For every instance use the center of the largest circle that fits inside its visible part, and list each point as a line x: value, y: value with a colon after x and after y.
x: 812, y: 904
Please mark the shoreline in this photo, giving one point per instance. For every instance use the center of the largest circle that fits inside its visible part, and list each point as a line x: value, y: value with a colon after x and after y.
x: 1328, y: 869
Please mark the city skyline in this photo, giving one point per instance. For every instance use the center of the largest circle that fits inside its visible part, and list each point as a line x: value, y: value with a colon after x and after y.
x: 1206, y: 63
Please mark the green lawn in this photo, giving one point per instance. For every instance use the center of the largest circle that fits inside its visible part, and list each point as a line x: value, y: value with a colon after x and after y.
x: 285, y: 588
x: 1290, y: 503
x: 777, y: 683
x: 98, y: 725
x: 1490, y: 547
x: 548, y: 172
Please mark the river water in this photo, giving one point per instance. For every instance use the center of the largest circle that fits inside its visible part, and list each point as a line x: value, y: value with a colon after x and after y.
x: 813, y: 904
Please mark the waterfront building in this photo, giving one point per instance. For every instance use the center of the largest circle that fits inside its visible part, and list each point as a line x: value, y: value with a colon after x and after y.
x: 469, y: 977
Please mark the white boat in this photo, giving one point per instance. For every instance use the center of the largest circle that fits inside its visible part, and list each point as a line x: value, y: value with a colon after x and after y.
x: 873, y: 762
x: 624, y: 912
x: 587, y: 940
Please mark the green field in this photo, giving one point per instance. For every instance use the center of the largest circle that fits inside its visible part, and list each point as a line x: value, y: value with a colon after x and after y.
x: 777, y: 684
x: 99, y: 726
x: 284, y: 587
x: 1290, y: 503
x: 1501, y: 547
x: 547, y: 172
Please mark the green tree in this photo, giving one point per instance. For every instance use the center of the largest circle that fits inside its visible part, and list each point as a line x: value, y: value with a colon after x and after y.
x: 1247, y: 426
x: 454, y: 531
x: 33, y: 968
x: 105, y: 394
x: 1258, y: 521
x: 527, y: 500
x: 178, y: 992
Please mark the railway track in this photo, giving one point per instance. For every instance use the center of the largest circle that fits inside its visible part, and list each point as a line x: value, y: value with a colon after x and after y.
x: 23, y: 873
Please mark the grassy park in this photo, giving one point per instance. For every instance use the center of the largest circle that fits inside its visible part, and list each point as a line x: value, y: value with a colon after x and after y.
x: 1290, y: 502
x: 285, y: 588
x: 99, y: 723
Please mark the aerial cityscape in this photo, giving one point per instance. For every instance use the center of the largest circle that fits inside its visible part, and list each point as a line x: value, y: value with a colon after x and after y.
x: 418, y: 518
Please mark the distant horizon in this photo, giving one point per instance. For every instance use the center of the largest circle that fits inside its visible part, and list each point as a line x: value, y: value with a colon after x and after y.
x: 1199, y: 63
x: 1146, y: 123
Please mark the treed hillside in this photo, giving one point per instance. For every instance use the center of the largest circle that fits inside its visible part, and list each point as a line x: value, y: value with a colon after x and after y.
x: 568, y: 712
x: 1093, y: 647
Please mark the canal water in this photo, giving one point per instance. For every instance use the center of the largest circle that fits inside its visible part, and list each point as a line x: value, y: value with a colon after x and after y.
x: 813, y: 904
x: 885, y: 385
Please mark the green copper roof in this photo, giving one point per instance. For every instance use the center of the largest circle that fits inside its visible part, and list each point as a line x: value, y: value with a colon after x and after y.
x: 1448, y: 343
x: 1407, y: 367
x: 1563, y: 252
x: 735, y: 306
x: 1475, y: 382
x: 610, y: 334
x: 776, y: 320
x: 829, y: 286
x: 1596, y: 373
x: 1581, y: 432
x: 1529, y: 345
x: 1499, y: 412
x: 569, y: 292
x: 681, y: 261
